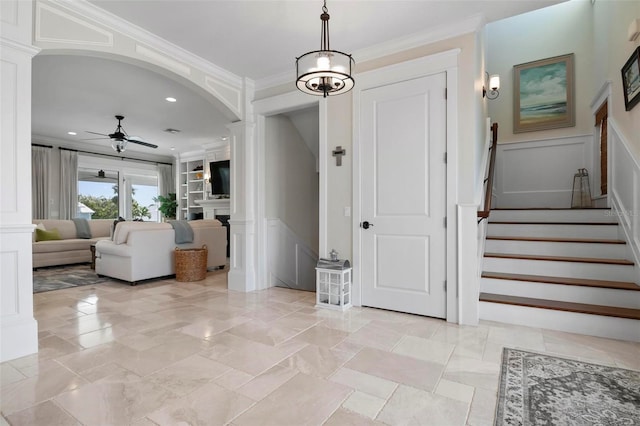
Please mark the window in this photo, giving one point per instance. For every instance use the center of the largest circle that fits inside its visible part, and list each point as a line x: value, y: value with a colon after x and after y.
x: 97, y: 193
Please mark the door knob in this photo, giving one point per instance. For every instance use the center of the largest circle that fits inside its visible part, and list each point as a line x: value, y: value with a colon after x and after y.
x: 366, y: 225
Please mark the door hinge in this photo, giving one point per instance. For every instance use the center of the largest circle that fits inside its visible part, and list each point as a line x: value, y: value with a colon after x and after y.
x: 445, y: 158
x: 445, y: 93
x: 445, y: 221
x: 445, y: 285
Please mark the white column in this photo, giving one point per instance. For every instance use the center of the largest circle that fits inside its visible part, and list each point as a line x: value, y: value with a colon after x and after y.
x: 468, y: 285
x: 243, y: 188
x: 18, y: 328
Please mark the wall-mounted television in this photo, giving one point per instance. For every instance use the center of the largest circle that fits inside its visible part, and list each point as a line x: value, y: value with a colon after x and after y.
x: 220, y: 177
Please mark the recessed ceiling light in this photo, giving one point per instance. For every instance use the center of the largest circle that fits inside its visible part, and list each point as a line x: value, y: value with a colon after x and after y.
x: 72, y: 133
x: 170, y: 99
x: 173, y: 148
x: 170, y: 130
x: 224, y: 138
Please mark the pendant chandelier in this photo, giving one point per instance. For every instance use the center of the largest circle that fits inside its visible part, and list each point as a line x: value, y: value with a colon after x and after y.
x: 324, y: 72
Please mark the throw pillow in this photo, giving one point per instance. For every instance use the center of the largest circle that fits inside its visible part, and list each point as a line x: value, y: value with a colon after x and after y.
x: 38, y: 226
x: 42, y: 235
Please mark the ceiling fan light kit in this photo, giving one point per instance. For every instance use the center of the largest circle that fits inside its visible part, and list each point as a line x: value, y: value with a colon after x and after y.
x: 324, y: 72
x: 120, y: 139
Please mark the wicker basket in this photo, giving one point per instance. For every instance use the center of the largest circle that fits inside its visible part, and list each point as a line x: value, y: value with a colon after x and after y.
x: 191, y: 264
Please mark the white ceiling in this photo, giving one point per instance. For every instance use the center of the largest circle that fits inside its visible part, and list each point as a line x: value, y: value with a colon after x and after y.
x: 255, y: 39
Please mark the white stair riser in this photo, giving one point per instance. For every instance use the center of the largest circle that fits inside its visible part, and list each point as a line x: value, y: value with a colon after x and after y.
x: 596, y: 271
x: 551, y: 231
x: 599, y: 250
x: 564, y: 293
x: 586, y: 215
x: 593, y: 325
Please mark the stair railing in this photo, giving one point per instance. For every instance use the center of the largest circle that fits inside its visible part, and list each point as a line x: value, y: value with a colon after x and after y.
x: 488, y: 182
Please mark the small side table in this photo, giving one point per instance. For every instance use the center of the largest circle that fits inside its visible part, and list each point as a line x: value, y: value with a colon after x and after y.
x: 92, y: 247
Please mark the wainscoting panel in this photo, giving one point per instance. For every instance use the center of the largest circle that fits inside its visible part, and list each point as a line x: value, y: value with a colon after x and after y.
x: 540, y: 173
x: 625, y: 190
x: 291, y: 261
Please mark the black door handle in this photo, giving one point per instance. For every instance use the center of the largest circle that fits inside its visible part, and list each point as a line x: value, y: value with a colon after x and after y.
x: 366, y: 225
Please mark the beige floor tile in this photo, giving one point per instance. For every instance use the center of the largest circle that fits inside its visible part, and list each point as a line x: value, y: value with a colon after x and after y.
x: 455, y: 390
x: 410, y: 406
x: 187, y: 375
x: 344, y: 417
x: 44, y: 414
x: 296, y: 321
x: 517, y: 337
x: 9, y: 374
x: 54, y: 347
x: 109, y: 372
x: 247, y: 355
x: 95, y: 357
x: 424, y: 349
x: 137, y: 341
x: 397, y: 368
x: 364, y: 404
x: 348, y: 324
x: 144, y: 422
x: 316, y: 361
x: 322, y: 335
x: 483, y: 408
x: 210, y: 405
x: 207, y: 328
x: 112, y: 403
x: 262, y: 385
x: 363, y: 382
x: 233, y: 379
x: 374, y: 336
x: 302, y: 400
x: 472, y: 372
x: 263, y: 332
x: 34, y: 390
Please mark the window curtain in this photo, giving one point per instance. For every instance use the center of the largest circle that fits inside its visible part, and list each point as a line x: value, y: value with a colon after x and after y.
x: 167, y: 180
x: 40, y: 157
x: 68, y: 184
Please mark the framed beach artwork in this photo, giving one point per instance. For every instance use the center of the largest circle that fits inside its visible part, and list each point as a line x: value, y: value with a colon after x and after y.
x: 544, y: 95
x: 631, y: 80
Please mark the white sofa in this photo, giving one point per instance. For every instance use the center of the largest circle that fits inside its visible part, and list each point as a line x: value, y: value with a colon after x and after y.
x: 144, y: 250
x: 69, y: 249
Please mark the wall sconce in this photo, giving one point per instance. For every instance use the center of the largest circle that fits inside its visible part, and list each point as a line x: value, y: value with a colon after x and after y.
x: 493, y: 82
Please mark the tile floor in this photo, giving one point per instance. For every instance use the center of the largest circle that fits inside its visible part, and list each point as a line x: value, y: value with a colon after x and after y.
x: 166, y: 353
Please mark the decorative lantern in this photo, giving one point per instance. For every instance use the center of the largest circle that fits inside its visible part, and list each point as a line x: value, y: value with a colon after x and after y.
x: 581, y: 195
x: 333, y: 284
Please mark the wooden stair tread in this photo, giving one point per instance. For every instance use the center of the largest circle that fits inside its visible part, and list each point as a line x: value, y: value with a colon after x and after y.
x: 610, y: 311
x: 558, y: 240
x: 552, y: 208
x: 561, y: 258
x: 618, y: 285
x: 500, y: 222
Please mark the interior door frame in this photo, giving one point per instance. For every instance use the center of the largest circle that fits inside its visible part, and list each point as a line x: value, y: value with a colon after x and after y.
x: 432, y: 64
x: 262, y: 109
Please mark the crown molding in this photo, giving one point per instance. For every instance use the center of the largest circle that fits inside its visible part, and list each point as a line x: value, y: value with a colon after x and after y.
x: 24, y: 48
x: 464, y: 26
x: 101, y: 16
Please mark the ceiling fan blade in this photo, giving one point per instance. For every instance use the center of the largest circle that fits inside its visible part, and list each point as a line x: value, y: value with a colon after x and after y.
x: 94, y: 133
x: 140, y: 142
x: 94, y: 139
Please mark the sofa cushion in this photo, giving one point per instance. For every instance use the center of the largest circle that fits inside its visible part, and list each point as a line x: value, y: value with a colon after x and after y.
x: 66, y: 228
x: 121, y: 233
x: 43, y: 235
x: 64, y: 245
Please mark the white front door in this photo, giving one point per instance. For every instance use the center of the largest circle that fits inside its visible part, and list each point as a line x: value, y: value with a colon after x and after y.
x: 403, y: 193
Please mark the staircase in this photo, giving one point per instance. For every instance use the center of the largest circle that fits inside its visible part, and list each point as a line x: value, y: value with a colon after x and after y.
x: 560, y: 269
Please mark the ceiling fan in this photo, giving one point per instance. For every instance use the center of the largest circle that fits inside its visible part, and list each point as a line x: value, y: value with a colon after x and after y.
x: 120, y: 138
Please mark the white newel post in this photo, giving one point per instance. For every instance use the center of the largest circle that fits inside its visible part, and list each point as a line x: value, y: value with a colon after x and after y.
x: 18, y: 328
x: 243, y: 189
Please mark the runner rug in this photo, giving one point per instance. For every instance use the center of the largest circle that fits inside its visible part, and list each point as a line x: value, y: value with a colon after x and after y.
x: 58, y: 277
x: 538, y: 389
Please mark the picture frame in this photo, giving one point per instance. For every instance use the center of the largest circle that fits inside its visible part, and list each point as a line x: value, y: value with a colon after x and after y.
x: 544, y: 94
x: 631, y: 80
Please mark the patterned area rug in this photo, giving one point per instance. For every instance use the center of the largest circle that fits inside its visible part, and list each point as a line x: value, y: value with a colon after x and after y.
x: 538, y: 389
x: 58, y: 277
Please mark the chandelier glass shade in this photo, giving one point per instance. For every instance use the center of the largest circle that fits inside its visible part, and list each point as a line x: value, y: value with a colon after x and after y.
x: 324, y: 72
x: 119, y: 145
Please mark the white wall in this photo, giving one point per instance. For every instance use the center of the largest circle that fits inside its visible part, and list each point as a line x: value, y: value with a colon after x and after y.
x: 611, y: 21
x: 291, y: 181
x: 552, y: 31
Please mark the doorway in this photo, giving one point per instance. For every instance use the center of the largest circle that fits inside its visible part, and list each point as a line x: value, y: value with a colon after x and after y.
x: 291, y: 197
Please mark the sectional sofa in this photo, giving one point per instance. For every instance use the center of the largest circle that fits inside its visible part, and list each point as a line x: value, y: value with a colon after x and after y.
x: 69, y: 249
